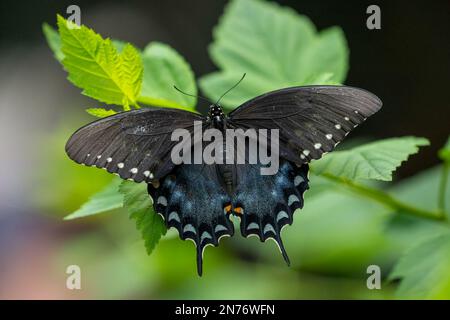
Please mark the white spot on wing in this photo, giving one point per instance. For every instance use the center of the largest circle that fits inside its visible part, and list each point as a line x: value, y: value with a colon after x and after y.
x: 219, y: 228
x: 134, y: 170
x: 189, y: 228
x: 281, y: 215
x: 174, y: 216
x: 347, y: 118
x: 317, y: 146
x: 298, y: 180
x: 162, y: 200
x: 120, y: 165
x: 293, y: 198
x: 329, y: 136
x: 252, y: 225
x: 109, y: 159
x: 302, y: 156
x: 205, y: 235
x: 306, y: 152
x: 269, y: 228
x: 146, y: 173
x: 338, y: 126
x: 99, y: 156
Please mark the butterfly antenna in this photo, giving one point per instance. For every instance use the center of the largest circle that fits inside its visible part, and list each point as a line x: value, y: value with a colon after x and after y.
x: 237, y: 83
x: 193, y: 95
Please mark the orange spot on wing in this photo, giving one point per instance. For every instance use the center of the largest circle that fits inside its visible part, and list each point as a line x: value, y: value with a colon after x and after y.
x: 238, y: 210
x: 228, y: 208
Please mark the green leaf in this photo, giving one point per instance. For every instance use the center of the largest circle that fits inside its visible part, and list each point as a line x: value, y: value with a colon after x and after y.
x: 376, y: 160
x: 53, y: 40
x: 139, y: 205
x: 276, y: 47
x: 107, y: 199
x: 100, y: 112
x: 94, y: 65
x: 444, y: 152
x: 424, y: 270
x: 164, y: 68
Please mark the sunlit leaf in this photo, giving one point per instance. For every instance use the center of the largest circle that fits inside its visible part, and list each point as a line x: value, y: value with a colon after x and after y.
x: 94, y: 65
x: 376, y: 160
x: 276, y: 47
x: 100, y: 112
x: 107, y: 199
x: 424, y: 270
x: 422, y: 189
x: 54, y: 41
x: 164, y: 68
x: 139, y: 205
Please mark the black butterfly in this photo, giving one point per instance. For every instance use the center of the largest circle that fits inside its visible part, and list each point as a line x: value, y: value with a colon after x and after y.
x: 198, y: 199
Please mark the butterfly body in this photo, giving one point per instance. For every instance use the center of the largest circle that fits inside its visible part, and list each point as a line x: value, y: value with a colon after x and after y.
x: 198, y: 199
x: 216, y: 117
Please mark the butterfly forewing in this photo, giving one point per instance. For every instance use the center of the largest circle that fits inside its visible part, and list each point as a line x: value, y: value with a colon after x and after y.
x: 135, y: 145
x: 312, y: 120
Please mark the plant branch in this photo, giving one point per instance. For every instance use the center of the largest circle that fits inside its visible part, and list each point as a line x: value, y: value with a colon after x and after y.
x: 387, y: 199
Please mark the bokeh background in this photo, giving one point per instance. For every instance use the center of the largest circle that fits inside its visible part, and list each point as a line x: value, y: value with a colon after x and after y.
x: 406, y: 63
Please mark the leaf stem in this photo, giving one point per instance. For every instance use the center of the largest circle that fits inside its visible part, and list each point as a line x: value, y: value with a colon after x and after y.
x: 443, y: 186
x: 387, y: 199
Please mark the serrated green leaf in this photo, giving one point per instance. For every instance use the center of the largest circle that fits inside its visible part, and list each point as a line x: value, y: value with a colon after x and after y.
x: 376, y: 160
x: 424, y: 270
x: 105, y: 200
x: 275, y: 46
x: 444, y: 152
x: 95, y: 66
x: 100, y: 112
x: 53, y: 40
x: 164, y: 68
x: 139, y: 205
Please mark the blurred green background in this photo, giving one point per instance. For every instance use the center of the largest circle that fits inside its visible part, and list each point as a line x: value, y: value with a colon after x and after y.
x: 332, y: 241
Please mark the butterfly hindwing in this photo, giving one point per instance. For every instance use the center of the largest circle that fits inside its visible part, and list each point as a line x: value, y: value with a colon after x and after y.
x: 192, y: 200
x: 312, y: 120
x: 135, y: 145
x: 266, y: 203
